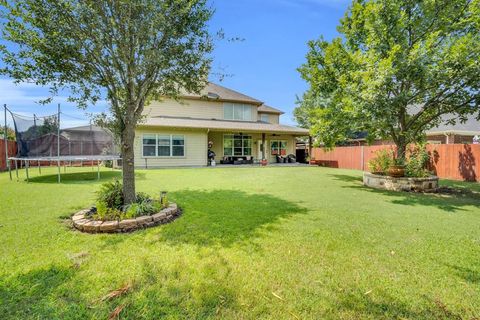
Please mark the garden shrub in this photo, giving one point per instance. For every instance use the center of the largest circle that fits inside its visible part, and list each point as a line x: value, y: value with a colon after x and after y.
x: 105, y: 213
x: 417, y: 163
x: 384, y: 158
x: 111, y: 205
x: 111, y: 193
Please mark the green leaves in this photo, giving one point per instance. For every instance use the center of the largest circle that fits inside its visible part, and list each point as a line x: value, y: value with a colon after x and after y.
x: 128, y: 51
x: 398, y: 67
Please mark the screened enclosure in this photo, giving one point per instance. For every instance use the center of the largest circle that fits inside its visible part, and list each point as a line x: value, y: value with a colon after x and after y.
x: 44, y: 139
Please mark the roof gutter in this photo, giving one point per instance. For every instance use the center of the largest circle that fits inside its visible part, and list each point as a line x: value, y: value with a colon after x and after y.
x: 457, y: 132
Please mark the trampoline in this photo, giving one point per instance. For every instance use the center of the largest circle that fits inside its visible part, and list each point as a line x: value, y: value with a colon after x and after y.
x: 43, y: 140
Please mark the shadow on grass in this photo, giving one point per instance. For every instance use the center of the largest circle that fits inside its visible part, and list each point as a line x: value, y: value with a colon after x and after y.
x: 382, y: 305
x: 447, y: 202
x: 54, y: 293
x: 83, y: 177
x: 37, y: 294
x: 186, y: 291
x: 346, y: 178
x: 466, y: 274
x: 460, y: 185
x: 225, y: 217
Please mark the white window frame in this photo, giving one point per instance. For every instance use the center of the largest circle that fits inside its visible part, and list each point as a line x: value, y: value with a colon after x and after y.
x: 233, y: 146
x: 171, y: 145
x: 244, y: 108
x: 279, y: 149
x: 262, y: 115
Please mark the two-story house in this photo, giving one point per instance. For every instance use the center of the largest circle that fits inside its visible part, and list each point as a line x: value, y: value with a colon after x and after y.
x: 233, y: 125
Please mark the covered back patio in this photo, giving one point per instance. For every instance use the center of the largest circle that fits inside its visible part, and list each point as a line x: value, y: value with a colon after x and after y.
x: 232, y: 148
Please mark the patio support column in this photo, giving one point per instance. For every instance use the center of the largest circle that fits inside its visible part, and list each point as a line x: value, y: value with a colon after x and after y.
x: 263, y: 146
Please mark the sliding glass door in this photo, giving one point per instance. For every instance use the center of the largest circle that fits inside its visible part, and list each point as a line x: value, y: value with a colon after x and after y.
x: 237, y: 145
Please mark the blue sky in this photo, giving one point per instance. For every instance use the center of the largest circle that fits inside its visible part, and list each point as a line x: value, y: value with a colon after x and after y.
x: 275, y: 34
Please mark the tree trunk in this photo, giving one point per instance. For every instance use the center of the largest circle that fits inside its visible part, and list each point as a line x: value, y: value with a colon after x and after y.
x: 401, y: 150
x: 128, y: 168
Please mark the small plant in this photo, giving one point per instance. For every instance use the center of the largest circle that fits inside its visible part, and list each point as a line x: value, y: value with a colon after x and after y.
x: 143, y: 206
x: 111, y: 206
x: 111, y: 194
x: 108, y: 163
x: 417, y: 164
x: 105, y: 213
x: 142, y: 197
x: 384, y: 158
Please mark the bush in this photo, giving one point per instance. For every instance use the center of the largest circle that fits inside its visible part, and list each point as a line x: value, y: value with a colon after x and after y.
x: 108, y: 163
x: 146, y: 206
x: 111, y: 205
x: 111, y: 193
x: 142, y: 197
x: 417, y: 164
x: 384, y: 158
x: 105, y: 213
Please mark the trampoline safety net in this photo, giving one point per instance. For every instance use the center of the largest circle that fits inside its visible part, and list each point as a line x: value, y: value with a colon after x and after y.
x: 39, y: 137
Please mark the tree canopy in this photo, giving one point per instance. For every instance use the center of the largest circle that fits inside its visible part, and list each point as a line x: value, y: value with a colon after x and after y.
x: 10, y: 133
x: 396, y: 69
x: 128, y: 51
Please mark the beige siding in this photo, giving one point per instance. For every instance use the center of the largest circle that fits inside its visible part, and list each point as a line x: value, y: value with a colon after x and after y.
x: 217, y: 139
x: 272, y: 118
x: 195, y: 149
x: 189, y: 108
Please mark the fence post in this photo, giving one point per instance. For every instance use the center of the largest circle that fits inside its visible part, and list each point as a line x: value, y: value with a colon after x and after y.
x: 362, y: 165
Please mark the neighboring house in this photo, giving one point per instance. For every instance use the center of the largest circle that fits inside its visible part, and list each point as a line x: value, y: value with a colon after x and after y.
x: 457, y: 133
x: 229, y: 123
x: 443, y: 134
x: 87, y: 140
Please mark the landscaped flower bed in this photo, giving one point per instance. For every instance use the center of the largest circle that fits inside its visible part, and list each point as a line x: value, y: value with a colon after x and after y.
x: 84, y: 221
x: 424, y: 184
x: 407, y: 174
x: 112, y: 214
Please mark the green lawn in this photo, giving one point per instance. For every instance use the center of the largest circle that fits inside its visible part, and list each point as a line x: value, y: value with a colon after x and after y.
x: 253, y: 243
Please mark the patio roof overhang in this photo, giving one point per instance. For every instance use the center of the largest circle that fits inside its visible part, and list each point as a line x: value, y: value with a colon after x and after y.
x: 223, y: 125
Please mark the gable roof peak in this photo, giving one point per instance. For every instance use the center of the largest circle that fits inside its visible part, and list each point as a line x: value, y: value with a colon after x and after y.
x: 217, y: 92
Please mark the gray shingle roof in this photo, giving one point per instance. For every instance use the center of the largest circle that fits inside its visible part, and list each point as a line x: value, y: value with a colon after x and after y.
x: 471, y: 126
x: 223, y: 125
x: 217, y: 92
x: 267, y: 109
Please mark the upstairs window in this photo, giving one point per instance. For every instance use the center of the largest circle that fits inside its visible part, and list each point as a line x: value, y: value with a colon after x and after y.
x: 237, y: 111
x: 264, y: 118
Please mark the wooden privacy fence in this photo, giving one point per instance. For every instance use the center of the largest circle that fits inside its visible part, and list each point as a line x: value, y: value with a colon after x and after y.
x: 451, y: 161
x: 12, y: 151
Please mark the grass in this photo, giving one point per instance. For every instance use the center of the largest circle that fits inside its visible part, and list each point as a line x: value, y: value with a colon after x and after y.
x: 253, y: 243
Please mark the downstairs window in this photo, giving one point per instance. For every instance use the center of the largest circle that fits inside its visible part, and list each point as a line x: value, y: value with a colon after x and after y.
x: 161, y: 145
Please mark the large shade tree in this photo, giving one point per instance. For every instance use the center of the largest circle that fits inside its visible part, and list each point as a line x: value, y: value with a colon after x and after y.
x: 398, y: 68
x: 128, y: 51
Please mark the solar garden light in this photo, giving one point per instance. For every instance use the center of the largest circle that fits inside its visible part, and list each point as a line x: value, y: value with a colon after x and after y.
x: 163, y: 197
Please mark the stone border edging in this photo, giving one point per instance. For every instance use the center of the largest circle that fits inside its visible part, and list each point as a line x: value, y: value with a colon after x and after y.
x: 85, y: 224
x: 428, y: 184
